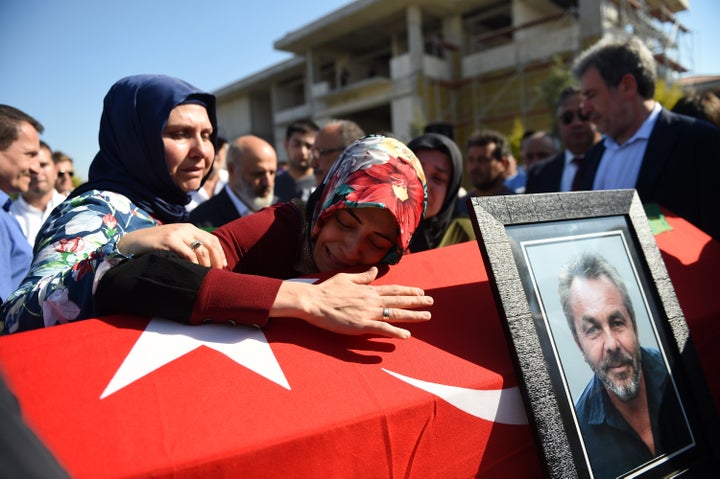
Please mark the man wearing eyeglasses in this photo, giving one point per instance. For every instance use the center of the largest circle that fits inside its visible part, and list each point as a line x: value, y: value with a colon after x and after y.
x: 65, y: 173
x: 578, y: 135
x: 330, y: 141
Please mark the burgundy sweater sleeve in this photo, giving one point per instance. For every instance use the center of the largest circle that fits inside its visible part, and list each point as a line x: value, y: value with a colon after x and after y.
x: 263, y: 248
x: 241, y: 298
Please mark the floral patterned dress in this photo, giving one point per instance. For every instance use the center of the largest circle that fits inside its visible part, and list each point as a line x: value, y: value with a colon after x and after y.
x: 76, y: 245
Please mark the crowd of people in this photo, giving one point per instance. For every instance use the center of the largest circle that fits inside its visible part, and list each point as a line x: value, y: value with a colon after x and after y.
x: 199, y: 228
x: 162, y: 164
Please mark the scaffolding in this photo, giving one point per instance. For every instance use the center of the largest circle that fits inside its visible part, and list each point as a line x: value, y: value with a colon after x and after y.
x: 497, y: 98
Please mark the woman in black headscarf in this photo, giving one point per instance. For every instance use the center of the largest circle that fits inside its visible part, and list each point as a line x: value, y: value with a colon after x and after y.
x: 443, y: 164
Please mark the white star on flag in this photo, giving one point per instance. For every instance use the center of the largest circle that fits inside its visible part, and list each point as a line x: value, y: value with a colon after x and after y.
x: 164, y: 341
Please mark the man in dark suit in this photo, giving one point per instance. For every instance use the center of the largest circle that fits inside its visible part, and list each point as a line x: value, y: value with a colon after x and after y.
x: 669, y: 159
x: 577, y: 135
x: 251, y: 165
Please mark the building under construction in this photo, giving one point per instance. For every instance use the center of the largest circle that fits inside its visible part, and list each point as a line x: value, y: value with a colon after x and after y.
x: 457, y: 65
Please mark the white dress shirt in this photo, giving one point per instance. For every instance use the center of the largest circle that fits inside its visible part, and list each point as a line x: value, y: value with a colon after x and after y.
x: 201, y: 196
x: 620, y: 164
x: 569, y: 171
x: 31, y: 218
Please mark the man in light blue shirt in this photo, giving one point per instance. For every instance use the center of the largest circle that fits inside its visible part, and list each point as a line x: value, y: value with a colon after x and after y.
x: 669, y: 159
x: 620, y: 165
x: 19, y: 146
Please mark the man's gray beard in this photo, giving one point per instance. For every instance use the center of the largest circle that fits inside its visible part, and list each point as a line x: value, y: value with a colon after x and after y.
x: 626, y: 390
x: 255, y: 203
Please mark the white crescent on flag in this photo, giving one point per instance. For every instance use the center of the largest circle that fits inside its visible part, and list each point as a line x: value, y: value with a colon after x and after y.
x: 163, y: 341
x: 503, y: 406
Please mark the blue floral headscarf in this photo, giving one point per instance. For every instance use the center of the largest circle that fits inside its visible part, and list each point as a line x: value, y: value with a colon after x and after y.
x: 376, y: 172
x: 131, y: 160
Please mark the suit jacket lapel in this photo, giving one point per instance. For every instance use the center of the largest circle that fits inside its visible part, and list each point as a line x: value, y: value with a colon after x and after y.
x: 659, y: 144
x: 661, y: 139
x: 555, y: 170
x: 228, y: 211
x: 589, y: 165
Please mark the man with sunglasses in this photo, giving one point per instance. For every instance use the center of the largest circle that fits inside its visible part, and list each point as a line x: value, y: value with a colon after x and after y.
x: 669, y: 159
x: 65, y: 173
x: 577, y: 134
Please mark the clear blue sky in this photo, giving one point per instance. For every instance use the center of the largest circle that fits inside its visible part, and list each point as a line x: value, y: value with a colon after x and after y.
x: 60, y: 58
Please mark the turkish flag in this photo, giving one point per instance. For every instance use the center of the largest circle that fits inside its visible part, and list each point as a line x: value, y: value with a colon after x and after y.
x: 131, y: 397
x: 139, y: 397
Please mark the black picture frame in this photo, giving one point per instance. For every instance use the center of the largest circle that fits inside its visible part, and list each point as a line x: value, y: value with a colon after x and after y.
x: 524, y: 241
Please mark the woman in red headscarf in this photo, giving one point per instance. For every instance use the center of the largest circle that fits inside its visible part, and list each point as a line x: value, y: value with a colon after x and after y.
x: 363, y: 214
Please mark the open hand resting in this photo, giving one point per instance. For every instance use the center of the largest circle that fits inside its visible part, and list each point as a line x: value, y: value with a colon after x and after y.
x: 185, y: 240
x: 348, y: 304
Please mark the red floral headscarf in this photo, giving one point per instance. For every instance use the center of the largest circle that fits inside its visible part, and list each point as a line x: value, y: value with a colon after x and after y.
x: 375, y: 172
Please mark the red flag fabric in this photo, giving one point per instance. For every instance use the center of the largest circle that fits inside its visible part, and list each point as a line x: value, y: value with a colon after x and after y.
x: 349, y: 407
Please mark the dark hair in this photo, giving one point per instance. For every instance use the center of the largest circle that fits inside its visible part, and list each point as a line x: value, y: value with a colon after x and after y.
x: 615, y: 57
x: 300, y: 126
x: 527, y: 134
x: 590, y: 266
x: 568, y: 91
x: 58, y: 157
x: 485, y: 137
x: 705, y: 106
x: 10, y: 120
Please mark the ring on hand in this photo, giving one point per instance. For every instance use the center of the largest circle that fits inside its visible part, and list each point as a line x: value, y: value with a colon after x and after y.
x: 386, y: 314
x: 195, y: 244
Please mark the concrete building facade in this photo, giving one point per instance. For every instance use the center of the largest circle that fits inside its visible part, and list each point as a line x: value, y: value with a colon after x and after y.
x: 401, y: 65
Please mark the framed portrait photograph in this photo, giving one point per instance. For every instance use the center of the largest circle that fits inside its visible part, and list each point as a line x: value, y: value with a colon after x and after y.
x: 601, y: 347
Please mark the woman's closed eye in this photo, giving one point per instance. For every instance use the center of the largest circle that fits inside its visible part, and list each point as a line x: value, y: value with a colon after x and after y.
x: 380, y: 243
x: 345, y: 221
x: 440, y: 180
x: 348, y: 221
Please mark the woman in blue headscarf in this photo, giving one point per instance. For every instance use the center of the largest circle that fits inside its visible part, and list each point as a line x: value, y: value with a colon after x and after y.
x: 156, y: 146
x: 119, y: 244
